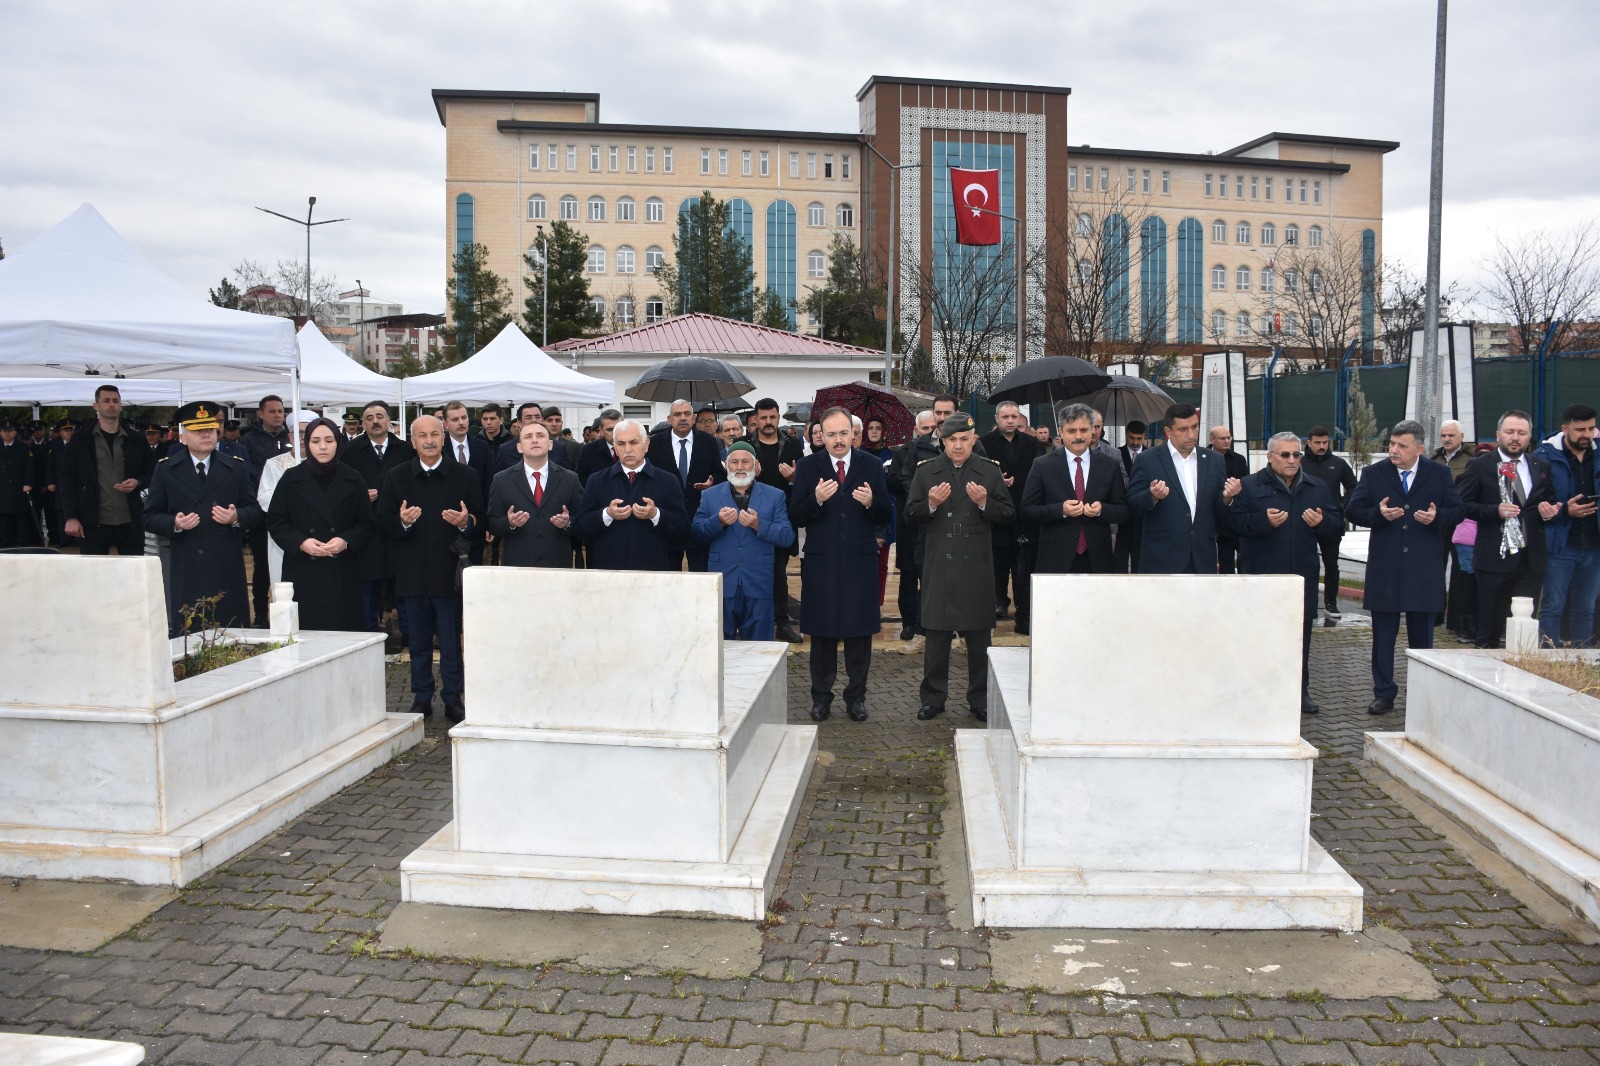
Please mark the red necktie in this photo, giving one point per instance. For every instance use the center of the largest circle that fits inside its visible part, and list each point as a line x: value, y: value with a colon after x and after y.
x: 841, y: 471
x: 1077, y: 487
x: 631, y: 475
x: 538, y: 491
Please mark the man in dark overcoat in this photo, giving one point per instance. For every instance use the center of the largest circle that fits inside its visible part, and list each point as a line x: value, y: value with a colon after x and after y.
x: 1016, y: 449
x: 1410, y: 504
x: 372, y: 455
x: 533, y: 505
x: 1073, y: 517
x: 1181, y: 491
x: 840, y: 498
x: 960, y: 499
x: 204, y: 502
x: 104, y: 471
x: 670, y: 450
x: 631, y: 514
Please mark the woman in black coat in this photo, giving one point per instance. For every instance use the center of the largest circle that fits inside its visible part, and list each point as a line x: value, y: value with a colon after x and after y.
x: 321, y: 518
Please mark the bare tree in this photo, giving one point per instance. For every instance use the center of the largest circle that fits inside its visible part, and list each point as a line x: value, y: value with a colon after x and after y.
x: 1404, y: 298
x: 969, y: 300
x: 1313, y: 296
x: 1544, y: 278
x: 281, y: 290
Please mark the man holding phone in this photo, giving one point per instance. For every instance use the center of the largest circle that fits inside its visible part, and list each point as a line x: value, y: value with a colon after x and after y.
x: 1571, y: 533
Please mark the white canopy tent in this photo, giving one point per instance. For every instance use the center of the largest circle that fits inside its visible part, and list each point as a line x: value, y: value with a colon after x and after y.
x: 510, y: 367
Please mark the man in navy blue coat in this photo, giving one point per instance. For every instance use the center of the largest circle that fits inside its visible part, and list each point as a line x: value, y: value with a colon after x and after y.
x: 1411, y: 505
x: 631, y: 514
x: 840, y: 498
x: 1180, y: 489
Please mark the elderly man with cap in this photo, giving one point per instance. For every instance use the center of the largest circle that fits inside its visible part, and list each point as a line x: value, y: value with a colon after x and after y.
x: 204, y: 502
x: 745, y: 523
x: 959, y: 499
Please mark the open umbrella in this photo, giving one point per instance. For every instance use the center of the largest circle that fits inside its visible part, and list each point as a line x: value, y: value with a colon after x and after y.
x: 866, y: 400
x: 798, y: 412
x: 1050, y: 380
x: 696, y: 378
x: 1125, y: 398
x: 729, y: 406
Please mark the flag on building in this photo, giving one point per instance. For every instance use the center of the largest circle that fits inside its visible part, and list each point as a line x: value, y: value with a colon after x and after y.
x: 976, y: 196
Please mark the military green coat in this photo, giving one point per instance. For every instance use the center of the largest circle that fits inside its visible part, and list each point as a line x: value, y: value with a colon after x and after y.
x: 958, y: 564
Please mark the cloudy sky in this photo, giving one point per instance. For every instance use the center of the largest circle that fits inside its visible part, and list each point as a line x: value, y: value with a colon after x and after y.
x: 177, y: 119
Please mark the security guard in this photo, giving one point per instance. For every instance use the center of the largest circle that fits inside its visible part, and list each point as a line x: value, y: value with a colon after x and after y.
x: 960, y: 498
x: 204, y: 502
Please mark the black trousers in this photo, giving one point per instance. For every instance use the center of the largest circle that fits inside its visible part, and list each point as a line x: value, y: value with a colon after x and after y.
x: 1309, y: 616
x: 127, y: 539
x: 1011, y: 572
x: 1463, y: 594
x: 780, y: 589
x: 1227, y: 555
x: 1125, y: 555
x: 825, y: 667
x: 699, y: 556
x: 1330, y: 572
x: 1385, y: 628
x: 936, y: 668
x: 1496, y: 588
x: 261, y: 575
x: 911, y: 546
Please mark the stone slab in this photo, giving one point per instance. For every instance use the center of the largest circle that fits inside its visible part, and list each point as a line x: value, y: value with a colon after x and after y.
x: 20, y: 1049
x: 635, y: 944
x: 74, y: 915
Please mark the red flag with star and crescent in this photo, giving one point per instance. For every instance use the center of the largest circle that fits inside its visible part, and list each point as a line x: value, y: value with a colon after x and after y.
x: 976, y: 196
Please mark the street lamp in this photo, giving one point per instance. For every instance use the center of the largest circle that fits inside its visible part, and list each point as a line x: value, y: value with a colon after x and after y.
x: 361, y: 327
x: 311, y: 203
x: 544, y: 271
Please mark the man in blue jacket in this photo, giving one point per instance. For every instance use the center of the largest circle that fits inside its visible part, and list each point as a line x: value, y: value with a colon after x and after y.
x: 1572, y: 535
x: 743, y: 522
x: 1280, y: 518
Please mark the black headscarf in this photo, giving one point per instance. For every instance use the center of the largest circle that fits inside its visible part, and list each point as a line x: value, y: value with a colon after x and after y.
x: 321, y: 471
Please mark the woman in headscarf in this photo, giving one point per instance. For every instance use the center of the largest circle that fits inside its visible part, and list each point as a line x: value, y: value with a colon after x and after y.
x: 321, y: 518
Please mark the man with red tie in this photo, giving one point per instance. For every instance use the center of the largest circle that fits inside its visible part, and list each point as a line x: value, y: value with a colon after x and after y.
x: 1074, y: 497
x: 631, y: 514
x: 532, y: 506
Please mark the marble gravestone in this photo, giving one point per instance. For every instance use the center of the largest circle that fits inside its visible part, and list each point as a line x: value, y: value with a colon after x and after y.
x: 111, y: 769
x: 624, y: 760
x: 1151, y: 777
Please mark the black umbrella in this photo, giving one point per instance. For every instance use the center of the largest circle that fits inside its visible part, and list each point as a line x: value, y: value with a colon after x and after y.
x: 696, y: 378
x: 731, y: 406
x: 799, y: 412
x: 1049, y: 380
x: 1125, y: 398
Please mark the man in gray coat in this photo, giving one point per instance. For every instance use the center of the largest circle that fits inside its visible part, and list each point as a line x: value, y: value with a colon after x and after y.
x: 959, y: 499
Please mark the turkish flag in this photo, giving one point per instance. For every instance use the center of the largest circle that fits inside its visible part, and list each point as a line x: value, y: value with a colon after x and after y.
x: 976, y: 196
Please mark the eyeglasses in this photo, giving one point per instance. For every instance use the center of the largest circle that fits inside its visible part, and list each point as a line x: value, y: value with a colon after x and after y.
x: 1288, y: 455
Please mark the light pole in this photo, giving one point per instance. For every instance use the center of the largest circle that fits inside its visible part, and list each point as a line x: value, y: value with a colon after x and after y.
x: 1428, y: 380
x: 311, y: 203
x: 544, y: 271
x: 361, y: 327
x: 894, y: 253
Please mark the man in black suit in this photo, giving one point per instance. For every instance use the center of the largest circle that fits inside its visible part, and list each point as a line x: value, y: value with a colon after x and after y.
x: 104, y: 469
x: 426, y: 510
x: 461, y: 447
x: 598, y: 454
x: 696, y: 459
x: 631, y: 515
x: 372, y: 455
x: 1234, y: 465
x: 1180, y: 490
x: 1016, y: 450
x: 1125, y: 556
x: 563, y: 450
x: 506, y: 452
x: 1322, y: 464
x: 204, y: 502
x: 1511, y: 494
x: 1074, y: 497
x: 532, y: 505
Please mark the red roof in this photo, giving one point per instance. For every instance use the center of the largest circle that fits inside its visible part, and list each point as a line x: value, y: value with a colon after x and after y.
x: 701, y: 334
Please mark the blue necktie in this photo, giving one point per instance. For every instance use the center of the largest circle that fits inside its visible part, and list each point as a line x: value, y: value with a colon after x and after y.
x: 683, y: 461
x: 1405, y: 481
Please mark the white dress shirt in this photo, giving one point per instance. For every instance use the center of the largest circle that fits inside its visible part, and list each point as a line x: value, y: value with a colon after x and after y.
x: 605, y: 516
x: 1524, y: 471
x: 458, y: 447
x: 1188, y: 476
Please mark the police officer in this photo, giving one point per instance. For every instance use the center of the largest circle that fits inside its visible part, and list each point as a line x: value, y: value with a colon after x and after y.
x: 958, y: 499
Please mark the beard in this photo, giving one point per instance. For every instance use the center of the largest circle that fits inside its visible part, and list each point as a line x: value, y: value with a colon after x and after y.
x: 741, y: 481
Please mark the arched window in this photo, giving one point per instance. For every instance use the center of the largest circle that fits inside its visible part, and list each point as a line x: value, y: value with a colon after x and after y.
x: 781, y: 253
x: 625, y: 260
x: 569, y: 208
x: 1114, y: 259
x: 1219, y: 231
x: 1219, y: 277
x: 1085, y: 225
x: 653, y: 210
x: 624, y: 311
x: 1314, y: 279
x: 814, y: 215
x: 1219, y: 324
x: 1153, y: 279
x: 597, y: 209
x: 1269, y: 234
x: 654, y: 259
x: 1241, y: 233
x: 846, y: 214
x: 599, y: 305
x: 625, y: 209
x: 537, y: 208
x: 1291, y: 234
x: 816, y: 265
x: 597, y: 261
x: 1242, y: 324
x: 654, y: 310
x: 1291, y: 280
x: 1241, y: 279
x: 1269, y: 278
x: 1085, y: 272
x: 1191, y: 280
x: 1314, y: 236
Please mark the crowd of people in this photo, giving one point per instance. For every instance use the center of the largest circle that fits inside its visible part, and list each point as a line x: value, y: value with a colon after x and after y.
x: 364, y: 522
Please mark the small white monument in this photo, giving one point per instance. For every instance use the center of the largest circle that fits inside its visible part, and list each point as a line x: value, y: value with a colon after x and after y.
x: 1150, y: 774
x: 627, y: 761
x: 111, y: 769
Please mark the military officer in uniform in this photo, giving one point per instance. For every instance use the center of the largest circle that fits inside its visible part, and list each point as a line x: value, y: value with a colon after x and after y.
x: 204, y: 502
x: 960, y: 498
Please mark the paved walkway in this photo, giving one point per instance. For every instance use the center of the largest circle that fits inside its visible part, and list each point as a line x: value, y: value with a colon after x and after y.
x: 268, y: 960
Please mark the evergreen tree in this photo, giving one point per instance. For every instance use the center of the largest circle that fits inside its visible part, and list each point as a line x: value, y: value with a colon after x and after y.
x: 1363, y: 437
x: 571, y: 313
x: 479, y: 300
x: 772, y: 311
x: 407, y: 365
x: 226, y: 294
x: 847, y: 307
x: 712, y: 269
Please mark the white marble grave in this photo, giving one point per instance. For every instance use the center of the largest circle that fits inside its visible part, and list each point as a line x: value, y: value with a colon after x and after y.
x: 110, y: 769
x: 630, y: 763
x: 24, y: 1049
x: 1512, y: 756
x: 1153, y: 778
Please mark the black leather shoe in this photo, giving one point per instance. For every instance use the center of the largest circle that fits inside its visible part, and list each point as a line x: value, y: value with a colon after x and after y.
x: 454, y: 711
x: 422, y: 705
x: 1380, y: 706
x: 1309, y: 706
x: 790, y: 634
x: 981, y: 713
x: 857, y: 711
x: 819, y: 712
x: 906, y: 632
x: 1021, y: 628
x: 1000, y: 613
x: 927, y: 711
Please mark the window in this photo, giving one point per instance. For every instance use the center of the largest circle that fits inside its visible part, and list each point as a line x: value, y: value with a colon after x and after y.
x: 1085, y: 225
x: 1269, y: 234
x: 1129, y: 186
x: 597, y: 262
x: 599, y: 305
x: 766, y: 163
x: 597, y: 209
x: 1241, y: 279
x: 1219, y: 231
x: 722, y: 160
x: 654, y: 259
x: 1238, y: 185
x: 844, y: 166
x: 1144, y: 183
x: 551, y: 157
x: 846, y: 215
x: 594, y: 157
x: 794, y: 164
x: 625, y: 209
x: 1219, y: 323
x: 1268, y: 327
x: 1242, y: 324
x: 653, y: 210
x: 705, y: 160
x: 1241, y: 233
x: 1085, y: 272
x: 1269, y: 278
x: 1269, y: 188
x: 814, y: 214
x: 1314, y: 325
x: 649, y: 160
x: 1316, y: 192
x: 1105, y: 179
x: 1291, y: 280
x: 1314, y: 279
x: 569, y: 208
x: 827, y: 165
x: 1072, y: 178
x: 633, y: 159
x: 1291, y: 325
x: 1222, y: 187
x: 537, y: 208
x: 1208, y: 184
x: 1166, y: 183
x: 1314, y: 236
x: 624, y: 260
x: 1291, y: 234
x: 744, y: 158
x: 624, y: 311
x: 811, y: 164
x: 1219, y: 277
x: 666, y: 160
x: 572, y: 157
x: 1255, y: 188
x: 816, y: 265
x: 533, y: 157
x: 654, y: 310
x: 1302, y: 190
x: 611, y: 157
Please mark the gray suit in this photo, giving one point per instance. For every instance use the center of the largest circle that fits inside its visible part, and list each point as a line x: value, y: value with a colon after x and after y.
x: 537, y: 542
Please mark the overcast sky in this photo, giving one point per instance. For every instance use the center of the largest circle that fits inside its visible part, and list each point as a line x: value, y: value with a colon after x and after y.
x: 177, y: 119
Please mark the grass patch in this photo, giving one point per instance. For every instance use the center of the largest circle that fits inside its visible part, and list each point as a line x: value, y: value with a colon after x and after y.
x: 1571, y: 669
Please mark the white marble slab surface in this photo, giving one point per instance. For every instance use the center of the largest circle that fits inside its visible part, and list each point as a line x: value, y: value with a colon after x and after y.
x: 24, y: 1049
x: 96, y: 634
x: 1165, y: 658
x: 644, y: 656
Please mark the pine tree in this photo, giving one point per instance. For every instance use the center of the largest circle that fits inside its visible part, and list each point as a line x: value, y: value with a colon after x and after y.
x: 479, y: 300
x: 226, y: 294
x: 571, y: 313
x: 1363, y: 421
x: 847, y: 307
x: 712, y: 270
